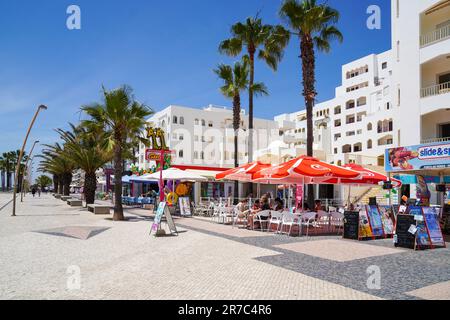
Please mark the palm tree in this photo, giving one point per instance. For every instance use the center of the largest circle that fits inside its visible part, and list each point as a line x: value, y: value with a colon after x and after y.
x: 55, y: 163
x: 86, y: 151
x: 122, y: 120
x: 235, y: 80
x: 268, y: 42
x: 9, y: 164
x: 43, y: 181
x: 314, y: 24
x: 3, y: 166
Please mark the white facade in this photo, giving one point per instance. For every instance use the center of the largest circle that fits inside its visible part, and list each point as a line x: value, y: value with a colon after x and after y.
x: 357, y: 124
x: 205, y: 137
x: 421, y: 73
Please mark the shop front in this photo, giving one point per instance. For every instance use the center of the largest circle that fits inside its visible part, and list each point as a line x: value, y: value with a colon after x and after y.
x: 425, y: 173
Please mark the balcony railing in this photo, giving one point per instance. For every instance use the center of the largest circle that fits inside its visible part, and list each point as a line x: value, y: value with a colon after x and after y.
x: 435, y: 36
x: 435, y: 140
x: 436, y: 90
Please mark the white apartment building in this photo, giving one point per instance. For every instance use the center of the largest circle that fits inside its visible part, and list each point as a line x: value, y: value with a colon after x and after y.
x: 421, y: 70
x: 355, y: 126
x: 205, y: 137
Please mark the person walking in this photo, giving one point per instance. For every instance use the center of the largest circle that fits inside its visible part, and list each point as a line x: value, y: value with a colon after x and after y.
x: 33, y: 191
x: 39, y: 191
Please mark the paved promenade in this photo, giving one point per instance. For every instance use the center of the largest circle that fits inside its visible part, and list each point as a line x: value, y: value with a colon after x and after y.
x: 52, y: 251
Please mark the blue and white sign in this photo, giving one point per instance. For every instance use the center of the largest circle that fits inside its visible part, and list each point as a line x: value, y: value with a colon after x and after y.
x: 420, y: 157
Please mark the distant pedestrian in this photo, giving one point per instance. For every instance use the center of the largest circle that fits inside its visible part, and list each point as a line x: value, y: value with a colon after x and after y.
x: 39, y: 191
x: 33, y: 191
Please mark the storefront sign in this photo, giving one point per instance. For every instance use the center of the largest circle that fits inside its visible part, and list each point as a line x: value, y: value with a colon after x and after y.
x: 430, y: 156
x: 185, y: 206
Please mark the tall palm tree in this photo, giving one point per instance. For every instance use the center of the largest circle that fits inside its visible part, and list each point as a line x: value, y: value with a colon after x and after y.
x: 55, y: 163
x: 265, y: 41
x: 235, y: 80
x: 86, y: 151
x: 123, y: 120
x: 9, y: 165
x: 315, y: 26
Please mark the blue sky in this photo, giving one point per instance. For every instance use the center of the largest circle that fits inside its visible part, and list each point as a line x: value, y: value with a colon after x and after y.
x: 165, y: 50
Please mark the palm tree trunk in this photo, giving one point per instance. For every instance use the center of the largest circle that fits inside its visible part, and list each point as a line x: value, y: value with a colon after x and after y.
x: 118, y: 169
x: 61, y: 185
x: 66, y: 185
x: 250, y: 110
x: 90, y: 185
x: 309, y: 92
x: 236, y: 125
x: 55, y: 183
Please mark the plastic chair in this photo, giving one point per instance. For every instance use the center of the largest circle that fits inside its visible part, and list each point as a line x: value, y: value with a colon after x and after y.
x: 276, y: 218
x: 238, y: 217
x: 259, y: 218
x: 308, y: 220
x: 337, y: 221
x: 291, y: 220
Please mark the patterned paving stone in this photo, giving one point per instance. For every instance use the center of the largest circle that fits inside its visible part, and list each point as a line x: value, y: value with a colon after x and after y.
x: 81, y: 233
x: 338, y: 250
x: 439, y: 291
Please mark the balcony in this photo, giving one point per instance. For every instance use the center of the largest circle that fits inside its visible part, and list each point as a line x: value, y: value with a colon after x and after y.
x: 435, y: 90
x: 435, y: 140
x: 435, y: 36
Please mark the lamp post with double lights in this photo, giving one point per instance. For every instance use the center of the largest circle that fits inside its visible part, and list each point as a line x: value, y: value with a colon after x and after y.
x: 40, y: 108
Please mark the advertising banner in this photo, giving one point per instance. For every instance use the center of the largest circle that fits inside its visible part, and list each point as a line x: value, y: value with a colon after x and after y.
x: 420, y: 157
x: 432, y: 222
x: 375, y: 221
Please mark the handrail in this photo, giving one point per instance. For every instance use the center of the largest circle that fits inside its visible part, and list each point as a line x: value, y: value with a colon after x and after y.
x: 435, y: 90
x: 435, y: 140
x: 435, y: 36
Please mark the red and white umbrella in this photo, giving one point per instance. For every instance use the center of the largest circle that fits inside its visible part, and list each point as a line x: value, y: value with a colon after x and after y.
x: 243, y: 173
x: 303, y: 170
x: 367, y: 177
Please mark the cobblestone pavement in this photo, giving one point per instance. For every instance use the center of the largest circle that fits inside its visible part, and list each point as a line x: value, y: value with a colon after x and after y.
x: 119, y: 260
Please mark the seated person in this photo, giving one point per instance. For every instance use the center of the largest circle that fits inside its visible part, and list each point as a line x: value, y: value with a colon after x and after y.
x: 256, y: 206
x: 318, y: 206
x: 279, y: 205
x: 242, y: 207
x: 265, y: 205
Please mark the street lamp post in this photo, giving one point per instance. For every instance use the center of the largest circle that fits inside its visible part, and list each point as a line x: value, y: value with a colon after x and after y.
x: 26, y: 170
x: 41, y: 107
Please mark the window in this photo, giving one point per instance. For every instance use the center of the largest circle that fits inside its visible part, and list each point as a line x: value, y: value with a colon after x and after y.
x: 369, y: 144
x: 398, y: 95
x: 174, y: 136
x: 203, y: 123
x: 350, y: 119
x: 181, y: 120
x: 362, y: 101
x: 203, y: 139
x: 347, y: 148
x: 350, y: 104
x: 398, y: 51
x: 175, y: 120
x: 196, y: 122
x: 202, y: 155
x: 335, y: 150
x: 181, y: 137
x: 384, y: 65
x: 350, y: 133
x: 359, y: 131
x: 210, y: 124
x: 195, y: 155
x: 357, y: 147
x: 337, y: 123
x: 388, y: 106
x: 337, y: 110
x: 337, y: 136
x: 180, y: 154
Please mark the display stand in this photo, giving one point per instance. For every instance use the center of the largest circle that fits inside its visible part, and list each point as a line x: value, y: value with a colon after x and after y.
x: 163, y: 210
x: 419, y: 229
x: 371, y: 223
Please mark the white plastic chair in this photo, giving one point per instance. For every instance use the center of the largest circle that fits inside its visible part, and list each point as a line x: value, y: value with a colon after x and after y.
x: 276, y: 218
x: 239, y: 217
x: 337, y: 221
x: 290, y: 220
x: 216, y: 213
x: 323, y: 219
x: 259, y: 218
x: 308, y: 220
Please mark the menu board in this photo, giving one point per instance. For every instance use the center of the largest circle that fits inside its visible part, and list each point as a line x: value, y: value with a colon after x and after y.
x: 351, y: 225
x: 422, y: 237
x: 185, y: 206
x: 403, y: 238
x: 431, y: 216
x: 365, y: 230
x: 375, y: 221
x: 163, y: 210
x: 387, y: 216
